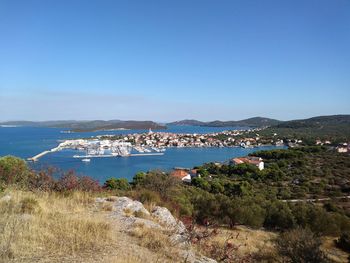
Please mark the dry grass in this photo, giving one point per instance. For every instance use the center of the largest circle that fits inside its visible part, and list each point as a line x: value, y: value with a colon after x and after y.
x: 238, y: 245
x: 334, y: 253
x: 260, y: 244
x: 154, y: 240
x: 248, y: 240
x: 43, y: 225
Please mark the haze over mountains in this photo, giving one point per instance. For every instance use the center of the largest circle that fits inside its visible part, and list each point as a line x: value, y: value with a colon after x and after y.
x: 251, y: 122
x: 95, y: 125
x: 85, y: 126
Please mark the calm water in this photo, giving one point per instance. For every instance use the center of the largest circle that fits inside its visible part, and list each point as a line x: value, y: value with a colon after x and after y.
x: 26, y: 142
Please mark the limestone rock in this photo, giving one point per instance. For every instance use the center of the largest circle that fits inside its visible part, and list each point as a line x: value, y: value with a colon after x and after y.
x: 165, y: 218
x: 5, y: 198
x: 125, y: 204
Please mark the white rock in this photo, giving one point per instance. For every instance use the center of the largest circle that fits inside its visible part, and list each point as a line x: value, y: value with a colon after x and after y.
x: 100, y: 200
x: 125, y: 203
x: 164, y: 217
x: 5, y: 198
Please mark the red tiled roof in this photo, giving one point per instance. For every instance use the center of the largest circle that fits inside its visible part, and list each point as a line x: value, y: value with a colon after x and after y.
x: 179, y: 173
x: 250, y: 160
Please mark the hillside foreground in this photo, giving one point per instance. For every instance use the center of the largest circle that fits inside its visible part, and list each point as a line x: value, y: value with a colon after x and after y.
x: 80, y: 227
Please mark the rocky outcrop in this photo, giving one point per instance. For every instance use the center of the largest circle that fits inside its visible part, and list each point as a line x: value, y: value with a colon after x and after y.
x: 130, y: 214
x: 126, y: 205
x: 165, y: 218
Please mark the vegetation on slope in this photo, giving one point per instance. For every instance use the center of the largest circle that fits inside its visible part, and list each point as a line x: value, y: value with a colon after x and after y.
x: 334, y: 128
x: 225, y: 196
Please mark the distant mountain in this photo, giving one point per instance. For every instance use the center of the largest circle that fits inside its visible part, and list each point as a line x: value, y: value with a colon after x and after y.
x: 84, y: 126
x: 251, y: 122
x: 187, y: 123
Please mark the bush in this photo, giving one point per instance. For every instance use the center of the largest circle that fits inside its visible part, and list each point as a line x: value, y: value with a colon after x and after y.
x: 138, y: 178
x: 88, y: 184
x: 147, y: 196
x: 29, y: 205
x: 280, y: 216
x: 114, y: 183
x: 344, y: 242
x: 14, y: 170
x: 43, y: 180
x: 70, y: 182
x: 300, y: 246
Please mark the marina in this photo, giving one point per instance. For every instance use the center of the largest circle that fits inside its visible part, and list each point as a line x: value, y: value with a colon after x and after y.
x: 101, y: 149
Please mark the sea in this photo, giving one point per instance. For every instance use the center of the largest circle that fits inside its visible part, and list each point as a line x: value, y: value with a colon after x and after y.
x: 25, y: 142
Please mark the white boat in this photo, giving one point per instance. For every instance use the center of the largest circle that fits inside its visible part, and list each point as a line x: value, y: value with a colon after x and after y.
x: 86, y: 160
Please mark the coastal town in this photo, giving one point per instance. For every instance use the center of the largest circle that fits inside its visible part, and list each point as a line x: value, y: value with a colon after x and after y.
x: 231, y: 138
x: 155, y: 143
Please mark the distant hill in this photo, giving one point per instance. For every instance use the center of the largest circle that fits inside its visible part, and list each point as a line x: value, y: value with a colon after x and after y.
x: 187, y: 122
x: 316, y: 122
x: 335, y: 128
x: 251, y: 122
x: 84, y: 126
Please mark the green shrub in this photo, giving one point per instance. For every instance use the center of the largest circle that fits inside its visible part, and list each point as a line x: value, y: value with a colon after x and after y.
x: 14, y: 170
x: 114, y: 183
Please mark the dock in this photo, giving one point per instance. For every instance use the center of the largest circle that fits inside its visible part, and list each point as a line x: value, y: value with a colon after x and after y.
x: 38, y: 156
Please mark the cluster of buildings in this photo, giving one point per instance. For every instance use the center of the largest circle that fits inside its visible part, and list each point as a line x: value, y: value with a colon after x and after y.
x: 96, y: 147
x: 166, y: 139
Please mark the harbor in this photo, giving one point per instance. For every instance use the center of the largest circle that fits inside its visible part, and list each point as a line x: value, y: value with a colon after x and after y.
x: 101, y: 149
x: 111, y: 155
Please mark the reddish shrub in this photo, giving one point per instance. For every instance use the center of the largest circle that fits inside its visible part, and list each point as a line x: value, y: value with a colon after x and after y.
x: 43, y: 180
x: 70, y: 181
x: 88, y: 184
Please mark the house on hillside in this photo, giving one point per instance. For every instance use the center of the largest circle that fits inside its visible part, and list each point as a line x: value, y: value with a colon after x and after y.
x: 185, y: 175
x: 257, y: 161
x: 343, y: 148
x: 182, y: 175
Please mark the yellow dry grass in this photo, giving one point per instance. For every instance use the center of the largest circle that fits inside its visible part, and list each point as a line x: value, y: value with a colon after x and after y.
x: 248, y: 241
x: 157, y: 241
x: 332, y: 252
x: 46, y: 225
x: 51, y: 227
x: 150, y: 238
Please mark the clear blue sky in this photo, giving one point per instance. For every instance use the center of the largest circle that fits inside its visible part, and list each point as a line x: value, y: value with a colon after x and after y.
x: 168, y: 60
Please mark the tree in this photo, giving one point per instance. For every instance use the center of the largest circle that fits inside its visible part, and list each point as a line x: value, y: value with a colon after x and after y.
x: 159, y: 182
x: 138, y: 178
x: 279, y: 215
x: 201, y: 183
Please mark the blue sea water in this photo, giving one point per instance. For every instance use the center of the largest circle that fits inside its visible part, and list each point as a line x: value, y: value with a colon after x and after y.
x: 26, y: 142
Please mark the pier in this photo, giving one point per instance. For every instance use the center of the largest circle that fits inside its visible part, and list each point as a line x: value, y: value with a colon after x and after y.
x: 38, y: 156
